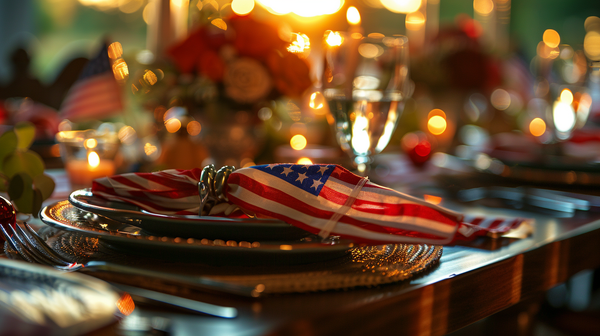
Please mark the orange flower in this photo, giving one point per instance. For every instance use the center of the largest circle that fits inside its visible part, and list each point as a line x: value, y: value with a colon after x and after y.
x: 291, y: 74
x: 211, y: 65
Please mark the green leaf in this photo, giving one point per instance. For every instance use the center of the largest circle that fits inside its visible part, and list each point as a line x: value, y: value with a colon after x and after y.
x: 36, y: 202
x: 16, y: 186
x: 21, y: 192
x: 23, y: 161
x: 45, y: 184
x: 8, y: 144
x: 25, y: 133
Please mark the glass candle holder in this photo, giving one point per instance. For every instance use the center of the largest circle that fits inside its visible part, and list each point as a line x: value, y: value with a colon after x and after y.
x: 88, y: 155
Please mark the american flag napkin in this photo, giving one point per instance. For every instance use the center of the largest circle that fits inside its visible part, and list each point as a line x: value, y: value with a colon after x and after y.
x: 322, y: 199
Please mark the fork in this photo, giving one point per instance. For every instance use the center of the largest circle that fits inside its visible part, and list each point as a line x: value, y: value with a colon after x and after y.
x: 32, y: 248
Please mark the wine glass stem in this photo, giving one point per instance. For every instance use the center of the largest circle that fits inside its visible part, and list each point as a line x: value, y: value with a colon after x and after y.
x: 363, y: 165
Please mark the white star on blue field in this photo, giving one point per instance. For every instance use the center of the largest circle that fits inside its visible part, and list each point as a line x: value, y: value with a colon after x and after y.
x: 310, y: 178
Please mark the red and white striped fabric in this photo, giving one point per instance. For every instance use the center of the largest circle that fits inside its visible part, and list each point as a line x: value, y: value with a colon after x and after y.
x: 168, y: 192
x: 322, y: 199
x: 96, y: 94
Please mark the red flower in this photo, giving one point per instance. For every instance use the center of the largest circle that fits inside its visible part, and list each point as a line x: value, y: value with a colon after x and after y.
x: 187, y: 52
x: 291, y: 73
x: 211, y: 65
x: 254, y: 38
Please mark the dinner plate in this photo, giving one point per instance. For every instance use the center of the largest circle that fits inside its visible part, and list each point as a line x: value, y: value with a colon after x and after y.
x: 37, y: 300
x: 208, y: 227
x: 133, y: 240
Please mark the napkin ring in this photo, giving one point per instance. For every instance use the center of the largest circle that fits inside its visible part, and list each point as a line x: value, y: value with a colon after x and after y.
x: 211, y: 186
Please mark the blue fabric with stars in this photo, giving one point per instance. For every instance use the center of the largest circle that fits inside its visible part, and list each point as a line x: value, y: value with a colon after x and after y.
x: 97, y: 65
x: 310, y: 178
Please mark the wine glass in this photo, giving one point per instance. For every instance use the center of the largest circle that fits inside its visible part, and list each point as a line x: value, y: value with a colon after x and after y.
x: 366, y: 83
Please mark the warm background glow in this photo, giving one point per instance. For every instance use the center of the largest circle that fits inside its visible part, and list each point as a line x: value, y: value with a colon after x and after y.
x: 401, y: 6
x: 304, y: 8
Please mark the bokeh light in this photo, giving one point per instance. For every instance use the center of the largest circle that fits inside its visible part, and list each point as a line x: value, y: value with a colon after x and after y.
x: 120, y: 70
x: 90, y: 143
x: 298, y: 142
x: 591, y: 45
x: 564, y: 116
x: 193, y: 128
x: 334, y: 38
x: 242, y: 7
x: 172, y: 125
x: 414, y: 21
x: 551, y: 38
x: 500, y: 99
x: 352, y: 15
x: 432, y: 199
x: 566, y: 96
x: 537, y: 127
x: 401, y: 6
x: 305, y: 160
x: 300, y: 43
x: 115, y: 50
x: 436, y: 125
x: 149, y: 148
x: 483, y: 7
x: 303, y: 8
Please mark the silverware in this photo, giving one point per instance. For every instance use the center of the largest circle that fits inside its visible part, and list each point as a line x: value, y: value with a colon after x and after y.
x: 25, y: 241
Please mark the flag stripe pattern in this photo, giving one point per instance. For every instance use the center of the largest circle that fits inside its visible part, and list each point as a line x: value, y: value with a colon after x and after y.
x: 307, y: 196
x: 310, y: 197
x: 168, y: 192
x: 96, y: 94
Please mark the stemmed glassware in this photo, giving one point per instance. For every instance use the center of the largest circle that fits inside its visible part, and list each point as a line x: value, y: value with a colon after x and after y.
x: 366, y: 83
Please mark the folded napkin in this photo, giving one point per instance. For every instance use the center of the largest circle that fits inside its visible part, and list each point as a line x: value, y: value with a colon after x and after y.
x: 322, y: 199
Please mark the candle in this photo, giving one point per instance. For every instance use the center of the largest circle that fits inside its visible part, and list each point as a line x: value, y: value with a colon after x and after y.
x: 81, y: 173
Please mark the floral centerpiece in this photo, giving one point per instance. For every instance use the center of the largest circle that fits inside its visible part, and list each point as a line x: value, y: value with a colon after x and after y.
x: 224, y: 76
x: 248, y: 62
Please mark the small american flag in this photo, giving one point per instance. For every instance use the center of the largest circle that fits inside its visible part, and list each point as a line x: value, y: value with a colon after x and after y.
x: 96, y: 94
x: 322, y: 199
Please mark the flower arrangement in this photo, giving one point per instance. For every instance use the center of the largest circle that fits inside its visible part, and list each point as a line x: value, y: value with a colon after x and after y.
x: 244, y: 66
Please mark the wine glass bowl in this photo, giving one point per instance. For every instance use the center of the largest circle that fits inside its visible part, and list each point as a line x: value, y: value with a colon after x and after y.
x: 365, y: 82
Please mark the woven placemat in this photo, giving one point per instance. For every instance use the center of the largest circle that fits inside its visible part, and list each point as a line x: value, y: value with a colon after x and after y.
x: 360, y: 266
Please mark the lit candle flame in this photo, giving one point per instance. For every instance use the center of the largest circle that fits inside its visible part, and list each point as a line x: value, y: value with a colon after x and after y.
x: 93, y: 159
